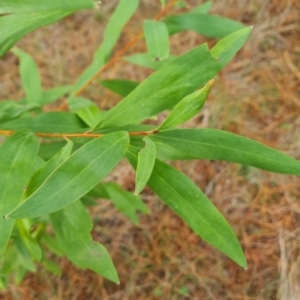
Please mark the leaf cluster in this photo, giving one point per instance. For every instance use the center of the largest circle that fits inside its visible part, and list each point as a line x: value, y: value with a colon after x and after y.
x: 52, y: 164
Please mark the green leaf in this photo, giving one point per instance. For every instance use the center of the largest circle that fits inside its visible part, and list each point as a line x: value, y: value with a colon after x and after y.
x: 72, y: 225
x: 52, y: 267
x: 203, y: 8
x: 100, y: 191
x: 88, y: 201
x: 52, y: 122
x: 122, y: 203
x: 30, y: 77
x: 76, y: 176
x: 42, y: 173
x: 164, y: 88
x: 16, y: 6
x: 187, y: 108
x: 14, y: 266
x: 52, y: 244
x: 3, y: 285
x: 143, y: 60
x: 50, y: 147
x: 146, y: 160
x: 181, y: 4
x: 113, y: 30
x: 226, y: 48
x: 157, y: 39
x: 163, y: 3
x: 221, y: 145
x: 53, y: 94
x: 30, y: 243
x: 10, y: 109
x: 24, y: 23
x: 22, y: 257
x: 17, y: 155
x: 205, y: 24
x: 86, y: 110
x: 188, y: 202
x: 120, y: 86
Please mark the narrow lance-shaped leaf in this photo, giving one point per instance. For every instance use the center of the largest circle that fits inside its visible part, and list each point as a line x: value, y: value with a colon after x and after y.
x: 181, y: 4
x: 164, y: 88
x: 122, y: 203
x: 51, y: 95
x: 204, y: 8
x: 17, y: 155
x: 76, y: 176
x: 31, y: 244
x: 22, y: 255
x: 52, y: 243
x: 10, y: 110
x: 42, y: 173
x: 86, y: 110
x: 30, y: 77
x: 221, y: 145
x: 226, y: 48
x: 157, y: 39
x: 72, y: 226
x: 120, y: 86
x: 201, y: 9
x: 205, y: 24
x: 100, y: 191
x: 163, y: 3
x: 146, y: 160
x: 113, y: 30
x: 143, y: 60
x: 52, y: 122
x: 17, y: 6
x: 187, y: 201
x: 24, y: 23
x: 187, y: 108
x: 48, y: 150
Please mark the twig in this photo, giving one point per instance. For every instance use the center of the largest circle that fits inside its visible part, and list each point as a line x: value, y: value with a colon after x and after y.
x: 77, y: 135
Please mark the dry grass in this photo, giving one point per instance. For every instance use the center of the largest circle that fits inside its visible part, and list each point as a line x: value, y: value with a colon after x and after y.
x: 257, y: 95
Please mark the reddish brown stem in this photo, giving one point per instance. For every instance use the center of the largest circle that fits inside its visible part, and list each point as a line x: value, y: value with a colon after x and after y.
x: 76, y: 135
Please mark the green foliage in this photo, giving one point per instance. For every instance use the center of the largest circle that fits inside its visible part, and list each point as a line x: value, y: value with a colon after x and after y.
x: 187, y: 108
x: 72, y: 226
x: 157, y: 39
x: 164, y: 88
x: 120, y: 86
x: 17, y: 6
x: 146, y: 160
x: 30, y: 77
x: 187, y: 201
x: 208, y: 25
x: 117, y: 21
x: 17, y: 156
x: 76, y: 176
x: 46, y: 182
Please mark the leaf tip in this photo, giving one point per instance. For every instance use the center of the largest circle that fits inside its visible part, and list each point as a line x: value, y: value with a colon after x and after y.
x: 211, y: 82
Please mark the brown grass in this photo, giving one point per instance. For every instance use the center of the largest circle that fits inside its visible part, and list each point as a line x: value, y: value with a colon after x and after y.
x: 257, y: 95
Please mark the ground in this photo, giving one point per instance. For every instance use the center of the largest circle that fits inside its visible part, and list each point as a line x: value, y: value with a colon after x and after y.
x: 258, y: 96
